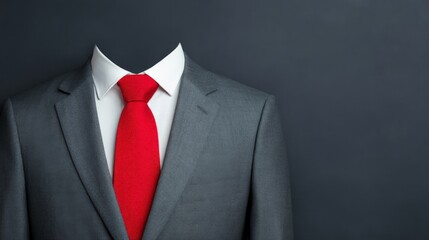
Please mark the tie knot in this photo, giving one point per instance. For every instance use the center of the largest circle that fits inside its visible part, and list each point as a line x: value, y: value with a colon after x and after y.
x: 137, y: 87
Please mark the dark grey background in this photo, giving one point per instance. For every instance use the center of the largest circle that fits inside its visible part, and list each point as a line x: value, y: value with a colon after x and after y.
x: 351, y: 78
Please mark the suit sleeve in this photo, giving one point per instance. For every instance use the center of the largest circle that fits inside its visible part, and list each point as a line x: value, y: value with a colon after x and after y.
x: 13, y: 206
x: 270, y: 212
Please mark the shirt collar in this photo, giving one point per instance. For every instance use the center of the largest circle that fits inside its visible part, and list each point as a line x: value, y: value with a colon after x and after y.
x: 166, y: 72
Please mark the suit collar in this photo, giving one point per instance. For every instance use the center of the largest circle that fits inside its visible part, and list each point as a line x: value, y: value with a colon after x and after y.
x: 166, y: 72
x: 204, y: 80
x: 193, y: 117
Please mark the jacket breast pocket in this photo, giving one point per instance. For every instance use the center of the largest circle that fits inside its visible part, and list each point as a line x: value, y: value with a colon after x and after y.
x: 216, y: 191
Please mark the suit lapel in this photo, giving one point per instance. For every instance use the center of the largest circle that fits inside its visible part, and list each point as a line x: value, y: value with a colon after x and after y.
x: 193, y: 117
x: 78, y: 118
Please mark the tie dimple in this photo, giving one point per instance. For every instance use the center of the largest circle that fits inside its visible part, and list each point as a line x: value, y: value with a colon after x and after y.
x: 137, y: 87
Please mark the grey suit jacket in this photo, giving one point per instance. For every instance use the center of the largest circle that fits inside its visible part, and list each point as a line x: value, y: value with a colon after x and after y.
x: 225, y: 173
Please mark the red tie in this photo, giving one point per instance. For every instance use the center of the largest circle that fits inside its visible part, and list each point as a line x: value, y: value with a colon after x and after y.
x: 136, y: 164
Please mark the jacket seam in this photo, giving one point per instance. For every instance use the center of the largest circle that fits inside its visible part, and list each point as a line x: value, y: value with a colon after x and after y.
x: 22, y: 161
x: 249, y: 201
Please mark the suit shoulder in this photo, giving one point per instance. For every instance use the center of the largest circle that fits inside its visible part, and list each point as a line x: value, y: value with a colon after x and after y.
x: 235, y: 90
x: 41, y: 93
x: 230, y: 93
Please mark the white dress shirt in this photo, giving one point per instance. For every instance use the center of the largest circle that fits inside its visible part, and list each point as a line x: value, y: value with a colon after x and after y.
x: 109, y: 101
